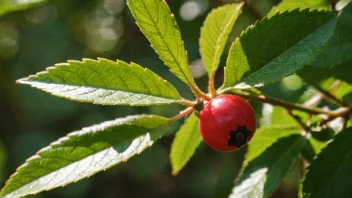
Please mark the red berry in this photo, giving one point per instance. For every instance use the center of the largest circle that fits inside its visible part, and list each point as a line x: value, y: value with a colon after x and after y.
x: 227, y: 122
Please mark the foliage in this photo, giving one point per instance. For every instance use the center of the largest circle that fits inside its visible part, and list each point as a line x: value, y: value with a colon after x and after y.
x: 307, y: 38
x: 104, y: 82
x: 83, y: 153
x: 333, y: 167
x: 186, y: 141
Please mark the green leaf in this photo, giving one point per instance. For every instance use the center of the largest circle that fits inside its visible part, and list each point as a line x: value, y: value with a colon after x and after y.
x: 339, y: 49
x: 336, y: 59
x: 104, y: 82
x: 271, y: 155
x: 286, y: 5
x: 84, y: 153
x: 277, y: 47
x: 215, y: 32
x: 332, y: 168
x: 15, y: 5
x: 185, y: 143
x: 155, y: 20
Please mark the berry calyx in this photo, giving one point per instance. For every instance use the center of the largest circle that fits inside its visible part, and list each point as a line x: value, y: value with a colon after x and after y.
x: 227, y: 122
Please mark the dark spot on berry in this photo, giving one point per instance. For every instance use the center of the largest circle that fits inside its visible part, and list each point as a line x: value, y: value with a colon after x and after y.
x: 239, y: 136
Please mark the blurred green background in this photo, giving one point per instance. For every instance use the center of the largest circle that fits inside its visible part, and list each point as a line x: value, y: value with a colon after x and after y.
x: 61, y: 30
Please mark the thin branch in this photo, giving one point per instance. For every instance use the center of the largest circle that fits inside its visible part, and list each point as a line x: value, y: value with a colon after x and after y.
x: 182, y: 114
x: 329, y: 95
x: 266, y: 99
x: 314, y: 100
x: 188, y: 103
x: 199, y: 94
x: 305, y: 128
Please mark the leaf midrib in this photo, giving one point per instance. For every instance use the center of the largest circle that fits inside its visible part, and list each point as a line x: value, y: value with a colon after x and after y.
x: 165, y: 43
x: 29, y: 81
x: 217, y: 50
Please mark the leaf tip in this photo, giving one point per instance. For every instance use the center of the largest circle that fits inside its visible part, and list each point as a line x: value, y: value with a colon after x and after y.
x: 175, y: 172
x: 21, y: 81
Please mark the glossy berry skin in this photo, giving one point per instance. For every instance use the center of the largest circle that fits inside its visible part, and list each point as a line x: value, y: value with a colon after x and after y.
x: 227, y: 122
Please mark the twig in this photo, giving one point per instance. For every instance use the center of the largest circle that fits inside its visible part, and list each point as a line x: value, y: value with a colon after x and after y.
x: 182, y: 114
x: 266, y: 99
x: 188, y: 103
x: 331, y: 96
x: 305, y: 128
x: 314, y: 100
x: 199, y: 94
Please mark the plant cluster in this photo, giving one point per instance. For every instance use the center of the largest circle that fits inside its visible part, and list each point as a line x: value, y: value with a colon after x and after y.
x: 311, y: 40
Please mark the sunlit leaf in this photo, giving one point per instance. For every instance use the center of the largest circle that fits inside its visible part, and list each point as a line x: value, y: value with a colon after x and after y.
x: 155, y: 20
x: 286, y: 5
x: 214, y: 34
x: 84, y: 153
x: 185, y: 143
x: 104, y: 82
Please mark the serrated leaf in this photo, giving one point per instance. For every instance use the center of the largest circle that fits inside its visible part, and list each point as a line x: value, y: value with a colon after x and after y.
x: 155, y: 20
x: 286, y: 5
x: 84, y: 153
x: 332, y: 168
x: 215, y: 32
x: 271, y: 155
x: 277, y: 47
x: 185, y: 143
x: 339, y: 49
x: 104, y: 82
x: 15, y: 5
x: 336, y: 59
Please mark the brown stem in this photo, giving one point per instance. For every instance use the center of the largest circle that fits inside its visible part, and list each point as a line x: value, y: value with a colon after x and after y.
x: 266, y: 99
x: 320, y: 96
x: 188, y: 103
x: 331, y: 96
x: 182, y: 114
x: 199, y: 94
x: 305, y: 128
